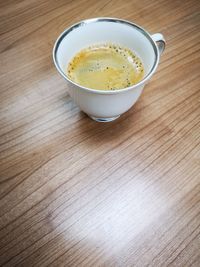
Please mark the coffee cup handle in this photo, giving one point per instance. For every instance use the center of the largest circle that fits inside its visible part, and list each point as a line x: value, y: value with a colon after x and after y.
x: 160, y: 42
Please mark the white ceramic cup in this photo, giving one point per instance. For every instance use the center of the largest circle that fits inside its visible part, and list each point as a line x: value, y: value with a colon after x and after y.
x: 101, y: 105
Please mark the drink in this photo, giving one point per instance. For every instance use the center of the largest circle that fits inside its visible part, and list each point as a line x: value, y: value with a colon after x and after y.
x: 105, y: 67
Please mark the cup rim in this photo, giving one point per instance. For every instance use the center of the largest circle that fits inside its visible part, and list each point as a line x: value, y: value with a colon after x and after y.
x: 105, y: 19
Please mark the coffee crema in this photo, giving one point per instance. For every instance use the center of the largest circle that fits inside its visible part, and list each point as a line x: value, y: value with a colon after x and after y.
x: 105, y: 67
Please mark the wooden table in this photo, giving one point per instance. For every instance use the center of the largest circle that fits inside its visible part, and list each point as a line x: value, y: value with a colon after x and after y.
x: 75, y: 192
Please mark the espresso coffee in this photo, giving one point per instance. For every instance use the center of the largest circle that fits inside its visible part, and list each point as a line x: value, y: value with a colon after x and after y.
x: 105, y: 67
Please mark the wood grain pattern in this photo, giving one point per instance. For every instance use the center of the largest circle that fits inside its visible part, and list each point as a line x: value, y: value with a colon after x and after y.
x: 74, y: 192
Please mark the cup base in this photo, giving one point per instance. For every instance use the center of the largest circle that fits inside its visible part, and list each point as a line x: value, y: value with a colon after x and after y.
x: 104, y: 119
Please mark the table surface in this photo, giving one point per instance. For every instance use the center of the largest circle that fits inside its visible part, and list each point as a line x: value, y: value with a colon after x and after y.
x: 74, y: 192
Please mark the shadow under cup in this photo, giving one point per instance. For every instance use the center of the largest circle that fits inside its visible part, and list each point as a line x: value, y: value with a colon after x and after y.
x: 98, y: 104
